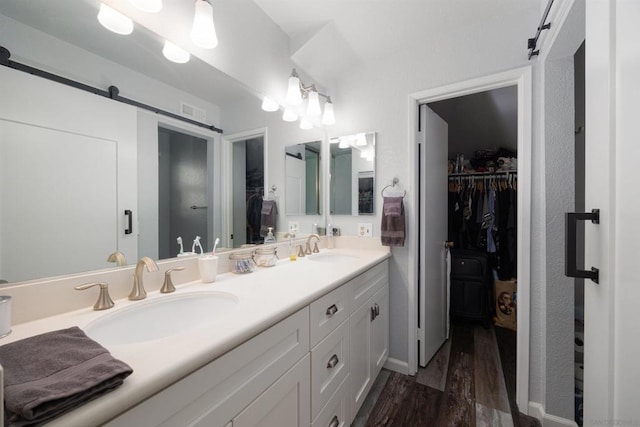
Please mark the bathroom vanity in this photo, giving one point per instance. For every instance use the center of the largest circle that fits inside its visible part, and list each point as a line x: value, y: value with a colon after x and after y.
x: 302, y: 345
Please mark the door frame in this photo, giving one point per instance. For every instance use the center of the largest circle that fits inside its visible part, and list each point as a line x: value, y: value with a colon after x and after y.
x: 522, y: 78
x: 227, y: 174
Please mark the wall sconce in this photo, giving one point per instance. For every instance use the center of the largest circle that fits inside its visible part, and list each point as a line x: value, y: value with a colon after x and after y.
x: 296, y: 93
x: 114, y: 21
x: 203, y: 31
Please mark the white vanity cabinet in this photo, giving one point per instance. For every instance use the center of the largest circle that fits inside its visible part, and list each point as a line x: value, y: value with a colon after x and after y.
x: 369, y: 332
x: 313, y: 368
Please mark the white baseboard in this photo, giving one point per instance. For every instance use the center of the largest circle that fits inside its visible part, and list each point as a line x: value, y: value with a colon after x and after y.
x: 547, y: 420
x: 396, y: 365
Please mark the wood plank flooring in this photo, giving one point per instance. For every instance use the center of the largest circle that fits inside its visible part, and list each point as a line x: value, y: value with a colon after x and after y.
x: 465, y: 384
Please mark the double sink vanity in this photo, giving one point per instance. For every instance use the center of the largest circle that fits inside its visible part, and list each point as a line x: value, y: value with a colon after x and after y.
x: 296, y: 344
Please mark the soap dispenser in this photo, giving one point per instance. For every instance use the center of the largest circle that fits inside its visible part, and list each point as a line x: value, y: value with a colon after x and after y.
x: 270, y: 238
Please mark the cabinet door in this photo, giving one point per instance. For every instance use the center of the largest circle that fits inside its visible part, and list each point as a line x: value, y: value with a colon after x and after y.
x: 285, y: 404
x: 360, y: 355
x: 380, y: 330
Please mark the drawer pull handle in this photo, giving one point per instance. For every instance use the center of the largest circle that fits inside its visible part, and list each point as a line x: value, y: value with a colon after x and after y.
x: 377, y: 309
x: 331, y: 310
x: 335, y: 422
x: 333, y: 362
x: 373, y: 313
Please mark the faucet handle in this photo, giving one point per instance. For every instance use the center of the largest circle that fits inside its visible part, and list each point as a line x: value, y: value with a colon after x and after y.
x: 315, y: 248
x: 104, y: 300
x: 307, y: 250
x: 300, y: 251
x: 167, y: 286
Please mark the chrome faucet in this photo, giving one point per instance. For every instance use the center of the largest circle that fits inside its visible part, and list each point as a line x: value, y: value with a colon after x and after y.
x: 138, y: 291
x: 308, y: 246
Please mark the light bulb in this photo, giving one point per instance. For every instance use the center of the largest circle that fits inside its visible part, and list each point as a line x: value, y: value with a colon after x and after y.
x: 114, y: 21
x: 328, y: 118
x: 149, y: 6
x: 175, y: 53
x: 313, y: 107
x: 289, y: 115
x: 269, y: 104
x: 305, y: 124
x: 294, y: 97
x: 203, y: 31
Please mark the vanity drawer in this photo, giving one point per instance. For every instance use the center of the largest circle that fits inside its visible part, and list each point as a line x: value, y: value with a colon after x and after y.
x: 336, y: 412
x: 328, y: 312
x: 329, y: 367
x: 368, y: 283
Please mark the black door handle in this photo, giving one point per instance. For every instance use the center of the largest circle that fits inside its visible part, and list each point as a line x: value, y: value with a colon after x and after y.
x: 129, y: 214
x: 570, y: 244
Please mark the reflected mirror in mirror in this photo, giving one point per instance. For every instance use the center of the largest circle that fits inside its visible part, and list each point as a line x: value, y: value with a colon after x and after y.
x: 248, y: 191
x: 303, y: 179
x: 352, y: 168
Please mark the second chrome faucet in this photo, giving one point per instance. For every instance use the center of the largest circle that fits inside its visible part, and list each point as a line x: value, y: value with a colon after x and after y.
x: 138, y: 292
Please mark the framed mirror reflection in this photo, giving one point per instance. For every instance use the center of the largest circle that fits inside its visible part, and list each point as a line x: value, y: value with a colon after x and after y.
x: 352, y: 169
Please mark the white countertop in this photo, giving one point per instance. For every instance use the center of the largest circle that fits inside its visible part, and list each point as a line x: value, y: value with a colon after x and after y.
x: 265, y: 297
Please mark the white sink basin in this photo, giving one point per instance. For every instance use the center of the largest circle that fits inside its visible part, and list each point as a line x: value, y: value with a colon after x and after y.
x: 161, y: 317
x: 332, y: 257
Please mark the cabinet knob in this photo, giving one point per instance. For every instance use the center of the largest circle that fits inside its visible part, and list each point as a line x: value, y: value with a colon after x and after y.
x: 333, y: 361
x: 335, y: 422
x: 331, y: 310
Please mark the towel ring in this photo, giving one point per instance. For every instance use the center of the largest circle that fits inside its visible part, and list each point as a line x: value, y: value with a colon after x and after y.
x: 404, y: 193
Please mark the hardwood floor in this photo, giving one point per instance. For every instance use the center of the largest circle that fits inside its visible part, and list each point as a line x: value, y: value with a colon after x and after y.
x: 469, y: 382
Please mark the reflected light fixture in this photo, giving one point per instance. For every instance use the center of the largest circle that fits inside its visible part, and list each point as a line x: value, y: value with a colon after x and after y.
x: 203, y: 31
x: 361, y: 140
x: 149, y: 6
x: 344, y: 142
x: 269, y: 104
x: 114, y: 21
x: 289, y: 115
x: 175, y: 53
x: 305, y: 124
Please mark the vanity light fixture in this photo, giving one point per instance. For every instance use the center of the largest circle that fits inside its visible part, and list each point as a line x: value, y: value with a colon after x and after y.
x: 297, y: 91
x: 269, y: 104
x: 149, y: 6
x: 344, y: 142
x: 203, y: 31
x: 175, y: 53
x: 361, y: 140
x: 289, y: 115
x: 305, y: 124
x: 114, y: 21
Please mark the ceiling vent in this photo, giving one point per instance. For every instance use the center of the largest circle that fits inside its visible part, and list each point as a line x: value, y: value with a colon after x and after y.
x: 193, y: 112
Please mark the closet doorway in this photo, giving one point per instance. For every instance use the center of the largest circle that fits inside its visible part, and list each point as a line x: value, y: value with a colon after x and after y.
x: 432, y: 178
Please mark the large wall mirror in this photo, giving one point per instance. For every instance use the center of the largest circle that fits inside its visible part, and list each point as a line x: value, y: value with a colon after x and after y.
x: 93, y: 168
x: 303, y: 169
x: 352, y: 168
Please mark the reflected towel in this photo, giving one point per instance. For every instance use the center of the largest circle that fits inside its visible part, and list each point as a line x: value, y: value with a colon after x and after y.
x: 47, y: 375
x: 393, y: 222
x: 268, y: 216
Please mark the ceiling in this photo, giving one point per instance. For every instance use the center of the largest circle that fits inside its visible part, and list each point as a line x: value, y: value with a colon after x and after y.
x: 484, y: 120
x: 344, y: 32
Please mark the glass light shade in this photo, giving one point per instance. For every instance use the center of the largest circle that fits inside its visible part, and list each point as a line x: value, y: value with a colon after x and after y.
x: 149, y: 6
x: 175, y: 53
x: 289, y: 115
x: 334, y: 140
x: 361, y: 140
x: 313, y: 106
x: 203, y: 31
x: 328, y: 117
x: 344, y: 142
x: 269, y: 104
x: 114, y: 21
x: 294, y: 97
x: 305, y: 124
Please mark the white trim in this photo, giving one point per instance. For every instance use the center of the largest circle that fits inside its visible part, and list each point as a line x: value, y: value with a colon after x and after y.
x: 226, y: 184
x: 522, y: 78
x: 537, y: 411
x: 397, y: 366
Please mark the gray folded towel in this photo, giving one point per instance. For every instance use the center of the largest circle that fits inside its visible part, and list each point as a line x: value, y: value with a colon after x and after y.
x: 268, y: 216
x: 49, y: 374
x: 392, y: 228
